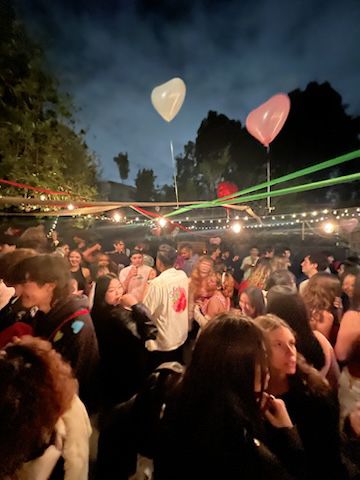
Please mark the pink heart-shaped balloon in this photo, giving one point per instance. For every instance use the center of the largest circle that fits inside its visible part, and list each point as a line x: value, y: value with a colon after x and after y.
x: 349, y: 225
x: 266, y: 121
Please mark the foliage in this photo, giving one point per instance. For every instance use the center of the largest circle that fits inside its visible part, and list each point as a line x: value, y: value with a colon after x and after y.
x: 145, y: 185
x: 38, y: 143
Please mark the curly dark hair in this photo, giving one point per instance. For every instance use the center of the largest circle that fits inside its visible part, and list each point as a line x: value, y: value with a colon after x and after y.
x: 36, y: 388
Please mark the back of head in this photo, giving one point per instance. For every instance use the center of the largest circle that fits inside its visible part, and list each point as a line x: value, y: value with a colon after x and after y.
x: 261, y: 273
x: 321, y: 291
x: 281, y: 277
x: 222, y: 372
x: 36, y: 388
x: 286, y: 303
x: 35, y: 238
x: 167, y: 255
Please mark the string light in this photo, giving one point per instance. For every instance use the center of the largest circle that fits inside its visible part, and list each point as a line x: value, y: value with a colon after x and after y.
x: 236, y: 227
x: 70, y: 206
x: 116, y: 217
x: 328, y: 227
x: 162, y: 222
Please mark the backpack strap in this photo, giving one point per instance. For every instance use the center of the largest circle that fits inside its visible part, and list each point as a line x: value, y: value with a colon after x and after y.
x: 77, y: 314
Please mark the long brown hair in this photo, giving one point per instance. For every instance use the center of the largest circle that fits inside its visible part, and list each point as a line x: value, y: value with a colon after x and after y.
x: 222, y: 371
x: 261, y: 273
x: 306, y: 373
x: 320, y: 292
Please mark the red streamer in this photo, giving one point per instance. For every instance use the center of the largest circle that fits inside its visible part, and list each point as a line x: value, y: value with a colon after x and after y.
x: 37, y: 189
x: 156, y: 215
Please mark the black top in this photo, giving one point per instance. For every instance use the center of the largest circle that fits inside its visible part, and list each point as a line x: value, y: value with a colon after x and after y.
x: 81, y: 280
x: 120, y: 259
x: 316, y: 416
x: 121, y: 335
x: 75, y: 341
x: 197, y: 449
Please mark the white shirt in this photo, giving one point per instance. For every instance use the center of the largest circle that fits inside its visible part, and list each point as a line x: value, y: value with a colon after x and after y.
x: 302, y: 286
x: 167, y: 300
x: 248, y: 261
x: 137, y: 283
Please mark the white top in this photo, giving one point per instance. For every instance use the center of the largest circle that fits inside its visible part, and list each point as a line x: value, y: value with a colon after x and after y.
x: 248, y: 261
x: 167, y: 299
x: 137, y: 283
x: 73, y: 431
x: 302, y: 286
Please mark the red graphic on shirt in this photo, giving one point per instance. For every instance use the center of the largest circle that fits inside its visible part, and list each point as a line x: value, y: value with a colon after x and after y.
x: 179, y: 299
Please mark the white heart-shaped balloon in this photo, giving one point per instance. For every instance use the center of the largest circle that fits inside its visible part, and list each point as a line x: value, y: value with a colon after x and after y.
x: 168, y: 98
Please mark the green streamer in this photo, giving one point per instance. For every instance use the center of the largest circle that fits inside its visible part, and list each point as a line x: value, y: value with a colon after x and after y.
x: 298, y: 188
x: 291, y: 176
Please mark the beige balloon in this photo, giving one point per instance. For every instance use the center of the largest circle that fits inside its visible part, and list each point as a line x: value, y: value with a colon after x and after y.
x: 168, y: 98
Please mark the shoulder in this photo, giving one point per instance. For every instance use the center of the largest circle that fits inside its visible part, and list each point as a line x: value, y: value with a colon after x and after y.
x: 350, y: 317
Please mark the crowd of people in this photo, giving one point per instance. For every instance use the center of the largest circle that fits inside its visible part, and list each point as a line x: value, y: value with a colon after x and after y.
x: 195, y: 364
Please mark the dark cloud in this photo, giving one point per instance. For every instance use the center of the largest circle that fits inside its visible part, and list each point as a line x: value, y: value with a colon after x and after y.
x: 232, y: 55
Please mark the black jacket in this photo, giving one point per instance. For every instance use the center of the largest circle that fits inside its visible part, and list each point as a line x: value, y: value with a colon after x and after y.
x: 316, y: 415
x: 121, y: 335
x: 75, y: 340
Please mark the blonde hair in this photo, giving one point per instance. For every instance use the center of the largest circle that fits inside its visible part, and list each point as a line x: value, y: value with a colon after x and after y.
x: 261, y: 273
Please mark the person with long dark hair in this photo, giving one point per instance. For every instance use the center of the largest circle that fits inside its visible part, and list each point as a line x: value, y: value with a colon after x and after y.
x: 252, y: 302
x: 312, y: 405
x: 121, y: 332
x: 213, y: 426
x: 287, y: 304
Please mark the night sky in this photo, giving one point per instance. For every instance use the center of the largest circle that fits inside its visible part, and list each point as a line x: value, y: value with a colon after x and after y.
x: 232, y: 55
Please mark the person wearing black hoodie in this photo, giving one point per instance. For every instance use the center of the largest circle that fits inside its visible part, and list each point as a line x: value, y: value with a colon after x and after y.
x: 62, y: 318
x: 121, y: 332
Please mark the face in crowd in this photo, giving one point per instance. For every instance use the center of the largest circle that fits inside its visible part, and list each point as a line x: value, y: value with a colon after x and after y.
x: 137, y: 259
x: 75, y: 259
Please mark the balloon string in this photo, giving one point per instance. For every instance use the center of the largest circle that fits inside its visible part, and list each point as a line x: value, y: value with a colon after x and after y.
x: 268, y: 179
x: 175, y: 178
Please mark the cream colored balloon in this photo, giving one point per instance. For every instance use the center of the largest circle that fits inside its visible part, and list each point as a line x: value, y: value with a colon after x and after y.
x: 168, y: 98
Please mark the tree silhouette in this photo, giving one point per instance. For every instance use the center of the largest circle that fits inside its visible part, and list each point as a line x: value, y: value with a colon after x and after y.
x: 122, y: 162
x: 145, y: 185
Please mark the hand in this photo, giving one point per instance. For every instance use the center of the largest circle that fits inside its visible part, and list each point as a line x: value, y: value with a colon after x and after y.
x: 128, y: 300
x: 338, y: 303
x: 236, y: 258
x: 132, y: 272
x: 277, y: 414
